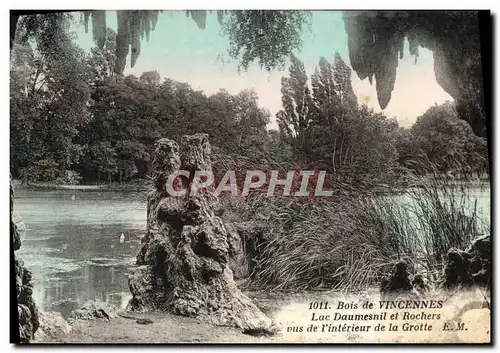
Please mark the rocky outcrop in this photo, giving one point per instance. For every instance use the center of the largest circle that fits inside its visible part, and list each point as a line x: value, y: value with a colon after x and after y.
x: 63, y: 306
x: 238, y: 262
x: 400, y: 283
x: 397, y: 282
x: 480, y: 260
x: 93, y: 309
x: 183, y: 262
x: 419, y: 284
x: 466, y: 268
x: 53, y: 328
x: 470, y: 267
x: 26, y: 308
x: 376, y: 39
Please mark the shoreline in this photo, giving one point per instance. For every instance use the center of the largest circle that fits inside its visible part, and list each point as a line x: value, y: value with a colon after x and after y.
x: 18, y: 185
x: 143, y: 186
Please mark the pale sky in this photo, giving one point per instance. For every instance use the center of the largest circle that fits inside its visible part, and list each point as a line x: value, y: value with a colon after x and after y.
x: 177, y: 49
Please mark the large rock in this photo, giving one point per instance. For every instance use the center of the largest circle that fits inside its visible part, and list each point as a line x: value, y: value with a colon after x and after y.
x: 457, y: 269
x: 469, y: 267
x: 184, y: 255
x: 53, y: 328
x: 26, y: 307
x: 238, y: 262
x: 397, y: 282
x: 480, y: 260
x: 63, y: 306
x: 93, y: 309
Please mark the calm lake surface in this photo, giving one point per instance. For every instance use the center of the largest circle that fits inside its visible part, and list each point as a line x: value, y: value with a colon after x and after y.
x: 72, y: 243
x: 72, y: 246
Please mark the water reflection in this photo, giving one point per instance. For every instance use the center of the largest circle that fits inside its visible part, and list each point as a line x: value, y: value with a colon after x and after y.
x: 73, y: 246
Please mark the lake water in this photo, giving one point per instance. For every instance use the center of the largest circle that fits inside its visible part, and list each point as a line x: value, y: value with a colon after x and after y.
x: 72, y: 243
x: 72, y: 246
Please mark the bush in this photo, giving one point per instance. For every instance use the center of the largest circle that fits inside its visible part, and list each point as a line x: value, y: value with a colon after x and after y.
x: 70, y: 177
x: 44, y: 170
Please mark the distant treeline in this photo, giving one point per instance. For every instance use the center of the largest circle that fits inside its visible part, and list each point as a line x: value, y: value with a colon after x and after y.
x: 72, y: 119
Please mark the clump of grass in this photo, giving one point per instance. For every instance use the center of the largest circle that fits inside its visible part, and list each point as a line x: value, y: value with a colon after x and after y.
x: 321, y: 245
x: 444, y: 215
x: 349, y: 242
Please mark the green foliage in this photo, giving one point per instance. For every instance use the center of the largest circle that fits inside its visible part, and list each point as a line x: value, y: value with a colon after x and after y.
x: 327, y: 129
x: 105, y: 127
x: 41, y: 170
x: 71, y: 109
x: 439, y: 140
x: 49, y: 96
x: 129, y: 115
x: 102, y: 61
x: 133, y: 25
x: 427, y: 219
x: 268, y: 37
x: 296, y: 117
x: 151, y: 78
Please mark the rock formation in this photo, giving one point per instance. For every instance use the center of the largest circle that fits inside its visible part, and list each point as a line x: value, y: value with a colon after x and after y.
x: 53, y: 328
x: 26, y: 308
x: 419, y: 284
x: 376, y: 38
x: 397, y: 282
x: 469, y: 267
x: 184, y: 255
x: 93, y: 309
x: 466, y: 268
x: 480, y: 260
x: 237, y: 262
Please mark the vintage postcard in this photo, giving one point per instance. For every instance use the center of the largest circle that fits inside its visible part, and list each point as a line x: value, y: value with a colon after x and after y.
x: 250, y: 176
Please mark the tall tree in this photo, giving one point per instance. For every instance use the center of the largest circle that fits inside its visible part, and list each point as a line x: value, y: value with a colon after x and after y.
x: 295, y: 118
x: 53, y: 103
x: 336, y: 111
x: 328, y: 129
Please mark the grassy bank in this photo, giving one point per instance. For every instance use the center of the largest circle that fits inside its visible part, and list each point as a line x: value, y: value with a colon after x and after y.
x: 350, y: 241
